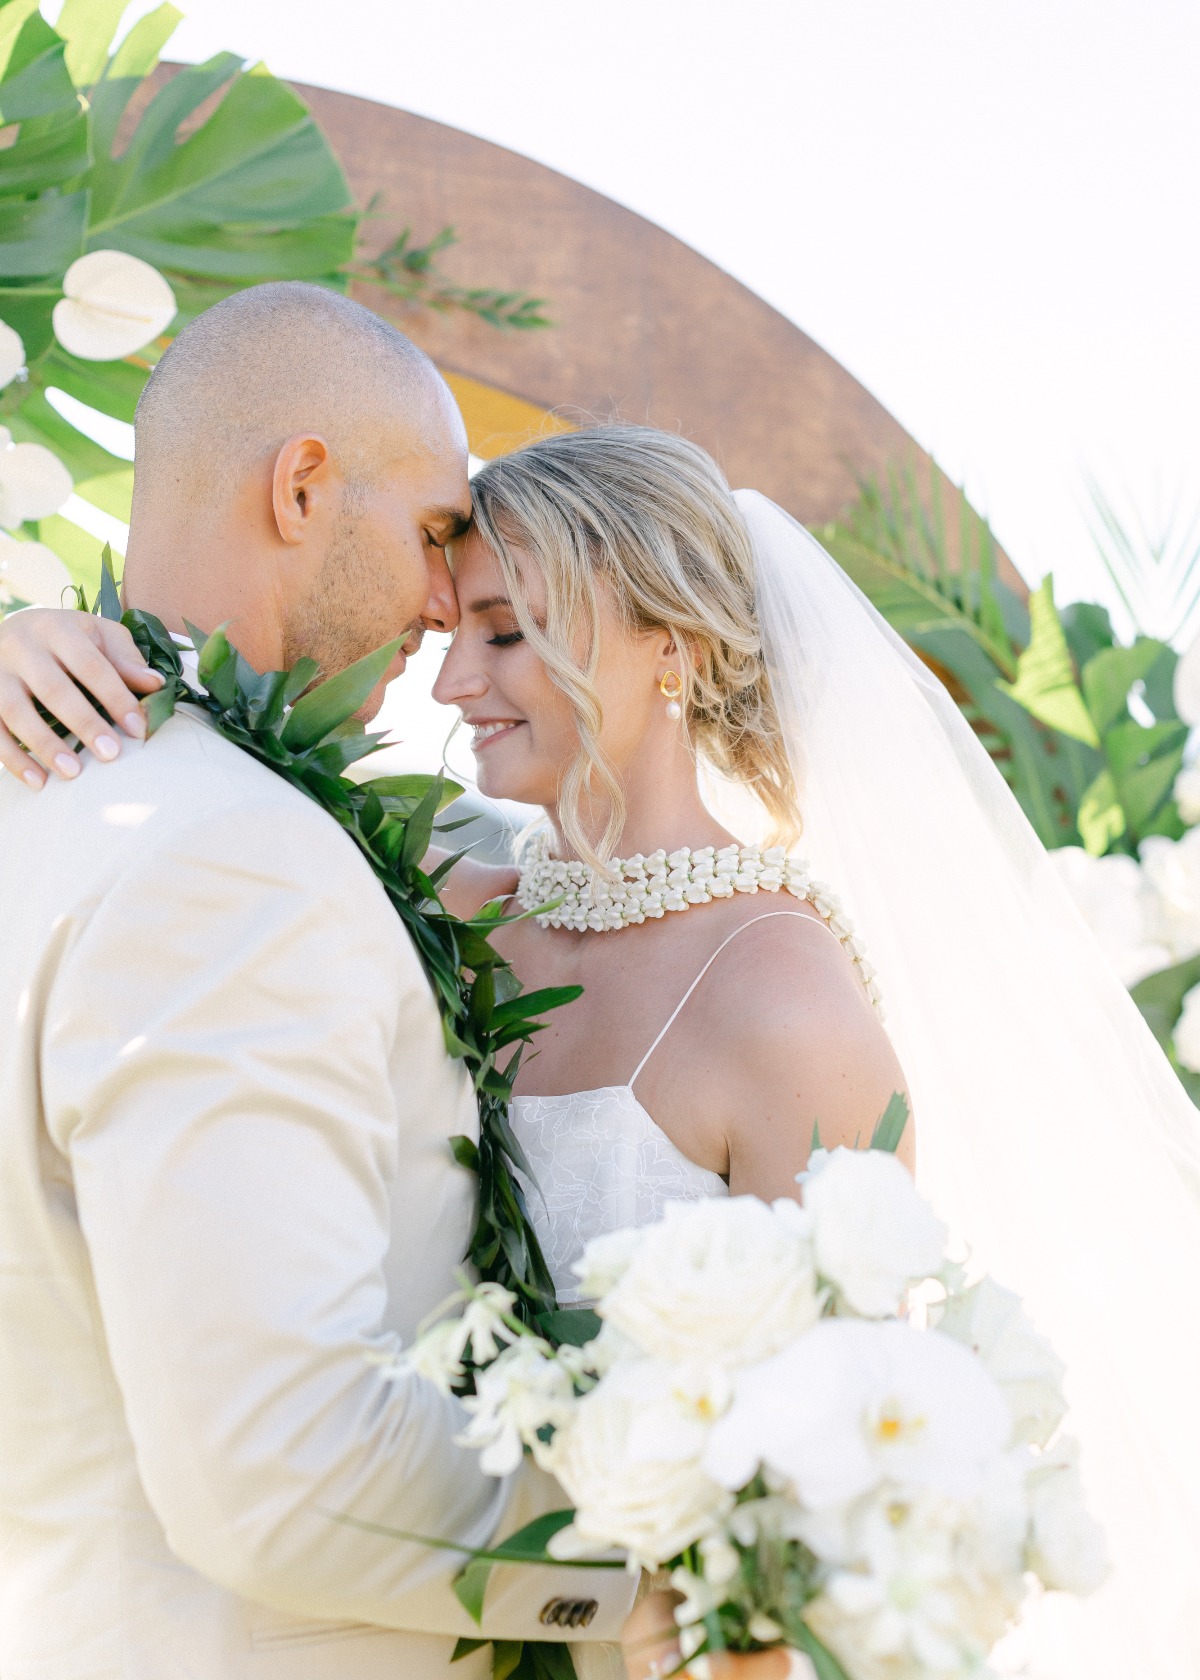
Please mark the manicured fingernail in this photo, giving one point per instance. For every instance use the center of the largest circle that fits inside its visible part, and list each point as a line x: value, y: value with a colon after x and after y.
x: 135, y: 725
x: 106, y: 748
x: 32, y: 779
x: 66, y: 764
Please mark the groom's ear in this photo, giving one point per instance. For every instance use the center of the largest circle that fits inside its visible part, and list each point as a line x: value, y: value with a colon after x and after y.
x: 300, y: 486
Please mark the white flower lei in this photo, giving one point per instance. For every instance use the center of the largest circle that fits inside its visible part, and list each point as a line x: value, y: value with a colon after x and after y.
x: 644, y: 888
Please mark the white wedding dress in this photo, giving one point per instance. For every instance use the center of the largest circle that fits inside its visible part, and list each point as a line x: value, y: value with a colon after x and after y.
x: 599, y: 1160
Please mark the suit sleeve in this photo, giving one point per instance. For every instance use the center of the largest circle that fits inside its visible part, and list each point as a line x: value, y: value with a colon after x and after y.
x: 216, y: 1072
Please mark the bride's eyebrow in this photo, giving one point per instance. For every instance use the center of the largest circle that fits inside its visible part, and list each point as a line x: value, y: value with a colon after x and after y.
x: 488, y: 602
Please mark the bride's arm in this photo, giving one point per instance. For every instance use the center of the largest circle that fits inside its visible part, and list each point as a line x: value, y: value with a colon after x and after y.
x: 808, y: 1049
x: 51, y: 655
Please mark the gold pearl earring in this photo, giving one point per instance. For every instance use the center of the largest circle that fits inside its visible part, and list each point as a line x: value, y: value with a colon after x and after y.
x: 671, y: 687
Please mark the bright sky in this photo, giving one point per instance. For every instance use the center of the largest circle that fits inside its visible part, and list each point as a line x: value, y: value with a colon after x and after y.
x: 987, y: 212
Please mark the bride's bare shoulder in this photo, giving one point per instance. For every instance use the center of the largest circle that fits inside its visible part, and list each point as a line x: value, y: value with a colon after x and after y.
x: 805, y: 1045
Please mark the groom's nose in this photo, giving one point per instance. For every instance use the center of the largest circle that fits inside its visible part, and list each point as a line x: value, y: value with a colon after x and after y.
x: 441, y: 606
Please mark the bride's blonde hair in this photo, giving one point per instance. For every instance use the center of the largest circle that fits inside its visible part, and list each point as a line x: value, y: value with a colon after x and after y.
x: 648, y: 516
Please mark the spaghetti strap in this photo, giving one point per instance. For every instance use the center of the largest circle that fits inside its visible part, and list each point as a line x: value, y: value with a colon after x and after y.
x: 728, y: 940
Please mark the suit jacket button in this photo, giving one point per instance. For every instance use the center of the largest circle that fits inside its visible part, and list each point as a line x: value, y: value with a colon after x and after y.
x: 569, y: 1612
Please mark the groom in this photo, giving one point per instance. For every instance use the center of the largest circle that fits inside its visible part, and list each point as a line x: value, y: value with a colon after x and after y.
x: 226, y: 1187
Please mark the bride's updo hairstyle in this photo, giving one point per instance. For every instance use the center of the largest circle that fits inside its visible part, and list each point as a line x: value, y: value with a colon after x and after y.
x: 647, y: 517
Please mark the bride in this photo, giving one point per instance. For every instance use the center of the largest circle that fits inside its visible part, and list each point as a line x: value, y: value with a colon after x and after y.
x: 624, y: 619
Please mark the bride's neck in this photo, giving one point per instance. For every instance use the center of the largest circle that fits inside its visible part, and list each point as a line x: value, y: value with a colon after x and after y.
x: 663, y: 809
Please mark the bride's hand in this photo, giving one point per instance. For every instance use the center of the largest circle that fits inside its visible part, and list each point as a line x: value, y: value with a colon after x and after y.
x: 650, y: 1647
x: 50, y: 655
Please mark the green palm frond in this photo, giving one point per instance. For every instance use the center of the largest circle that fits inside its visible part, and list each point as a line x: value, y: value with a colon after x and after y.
x: 1154, y: 565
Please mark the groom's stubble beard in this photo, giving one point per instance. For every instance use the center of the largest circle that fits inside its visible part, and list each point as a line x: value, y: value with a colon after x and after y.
x: 351, y: 610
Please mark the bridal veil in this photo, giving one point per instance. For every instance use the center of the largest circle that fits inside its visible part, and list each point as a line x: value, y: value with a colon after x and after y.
x: 1051, y: 1131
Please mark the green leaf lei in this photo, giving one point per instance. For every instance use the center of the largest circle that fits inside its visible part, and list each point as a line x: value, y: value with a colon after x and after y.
x: 310, y: 736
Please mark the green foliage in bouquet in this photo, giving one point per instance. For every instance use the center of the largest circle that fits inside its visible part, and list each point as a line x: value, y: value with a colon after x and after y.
x: 1083, y: 729
x: 220, y: 178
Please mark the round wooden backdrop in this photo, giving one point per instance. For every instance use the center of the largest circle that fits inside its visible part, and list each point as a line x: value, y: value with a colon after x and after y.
x: 645, y: 328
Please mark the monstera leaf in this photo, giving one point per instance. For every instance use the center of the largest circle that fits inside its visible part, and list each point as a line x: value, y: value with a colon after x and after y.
x: 220, y: 179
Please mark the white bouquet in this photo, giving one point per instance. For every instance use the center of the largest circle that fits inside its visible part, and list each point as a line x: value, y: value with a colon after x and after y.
x: 808, y: 1416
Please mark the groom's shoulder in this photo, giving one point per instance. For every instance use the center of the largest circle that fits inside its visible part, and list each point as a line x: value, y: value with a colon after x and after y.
x: 188, y: 783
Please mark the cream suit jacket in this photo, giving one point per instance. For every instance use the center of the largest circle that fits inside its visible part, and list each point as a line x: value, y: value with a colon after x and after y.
x: 225, y: 1183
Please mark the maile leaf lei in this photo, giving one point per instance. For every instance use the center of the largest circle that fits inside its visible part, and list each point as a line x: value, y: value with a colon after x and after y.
x: 310, y: 736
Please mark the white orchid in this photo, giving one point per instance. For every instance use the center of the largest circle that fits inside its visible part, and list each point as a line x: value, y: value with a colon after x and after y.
x: 1119, y: 903
x: 729, y: 1281
x: 992, y: 1321
x: 1187, y: 1032
x: 439, y: 1351
x: 33, y: 482
x: 32, y: 573
x: 12, y: 354
x: 853, y: 1404
x: 112, y: 306
x: 872, y: 1233
x: 905, y: 1602
x: 523, y: 1392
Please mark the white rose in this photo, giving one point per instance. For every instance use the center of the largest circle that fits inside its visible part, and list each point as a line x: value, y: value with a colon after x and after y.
x: 605, y: 1259
x: 1187, y: 793
x: 1187, y: 1032
x: 853, y: 1404
x: 629, y: 1460
x: 1066, y: 1548
x: 1172, y: 868
x: 992, y: 1321
x: 872, y: 1233
x: 729, y: 1280
x: 1119, y: 904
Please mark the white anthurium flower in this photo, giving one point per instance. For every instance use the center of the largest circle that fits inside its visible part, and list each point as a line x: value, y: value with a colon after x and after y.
x: 629, y: 1460
x: 872, y: 1233
x: 1067, y: 1550
x: 31, y: 572
x: 1187, y: 1032
x: 12, y: 354
x: 854, y: 1404
x: 1118, y: 902
x: 1172, y: 867
x: 1187, y: 685
x: 1186, y: 794
x: 112, y: 305
x: 992, y: 1322
x: 722, y: 1280
x: 33, y: 482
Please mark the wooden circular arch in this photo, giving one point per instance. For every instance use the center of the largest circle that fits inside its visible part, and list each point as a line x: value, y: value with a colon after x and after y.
x: 645, y: 329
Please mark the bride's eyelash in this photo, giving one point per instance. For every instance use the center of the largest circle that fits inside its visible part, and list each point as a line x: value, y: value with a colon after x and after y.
x: 505, y: 641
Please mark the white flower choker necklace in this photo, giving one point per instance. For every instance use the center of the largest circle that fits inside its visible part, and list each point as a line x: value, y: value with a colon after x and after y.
x: 646, y: 888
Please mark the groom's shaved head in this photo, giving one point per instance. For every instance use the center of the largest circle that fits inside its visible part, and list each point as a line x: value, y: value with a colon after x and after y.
x: 300, y: 466
x: 267, y: 363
